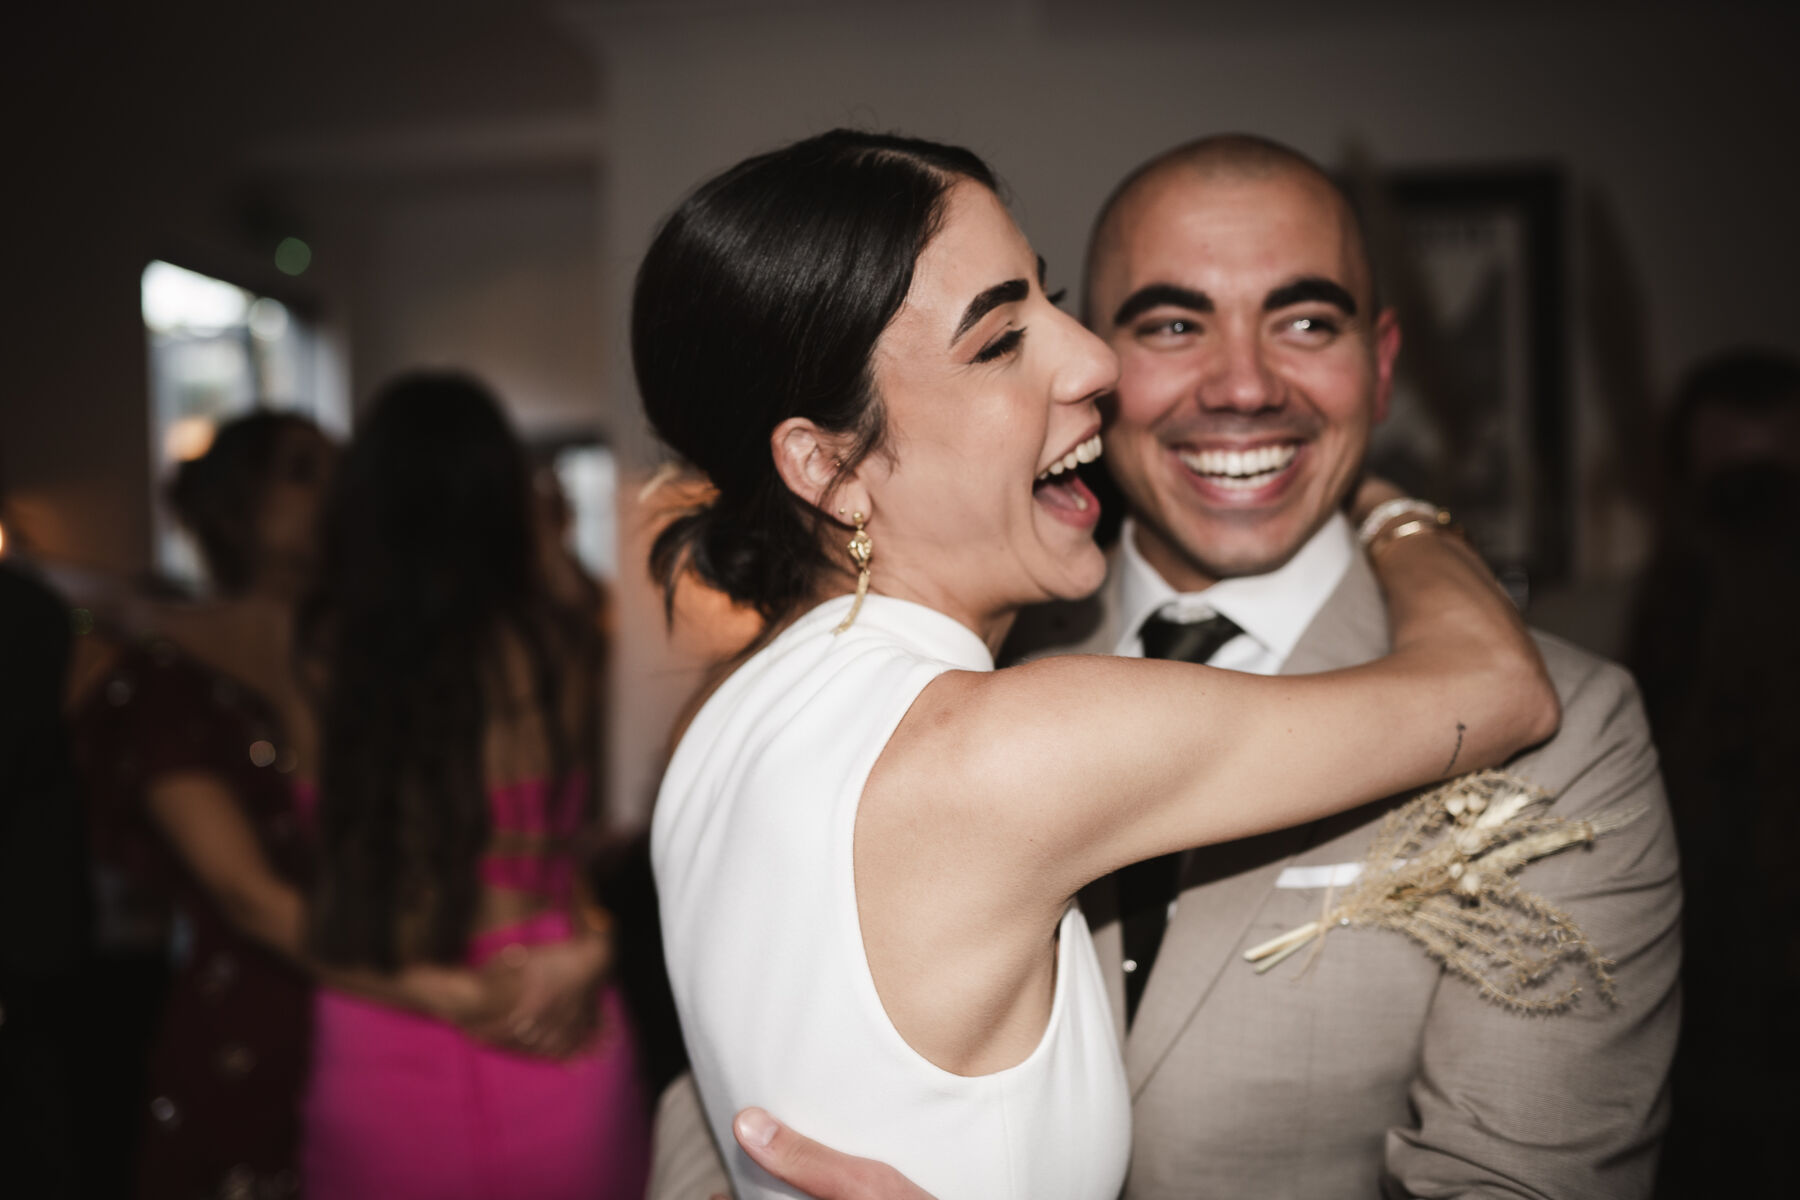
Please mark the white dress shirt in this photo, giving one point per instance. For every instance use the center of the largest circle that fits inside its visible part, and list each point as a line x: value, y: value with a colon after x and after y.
x: 1273, y: 610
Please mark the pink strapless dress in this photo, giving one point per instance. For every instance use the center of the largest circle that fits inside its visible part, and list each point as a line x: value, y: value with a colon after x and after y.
x: 402, y: 1107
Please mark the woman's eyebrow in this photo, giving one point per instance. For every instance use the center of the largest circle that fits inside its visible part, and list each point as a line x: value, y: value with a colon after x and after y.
x: 1010, y: 292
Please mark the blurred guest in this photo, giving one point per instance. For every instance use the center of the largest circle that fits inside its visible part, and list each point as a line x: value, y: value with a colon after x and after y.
x: 1715, y: 648
x: 187, y: 744
x: 188, y: 776
x: 452, y: 797
x: 44, y: 924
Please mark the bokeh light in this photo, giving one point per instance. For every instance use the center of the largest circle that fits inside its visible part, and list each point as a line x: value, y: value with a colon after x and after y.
x: 175, y: 298
x: 292, y: 256
x: 188, y: 438
x: 269, y: 319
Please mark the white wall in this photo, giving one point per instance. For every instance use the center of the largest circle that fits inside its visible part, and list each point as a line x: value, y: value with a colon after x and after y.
x: 493, y: 271
x: 1679, y: 124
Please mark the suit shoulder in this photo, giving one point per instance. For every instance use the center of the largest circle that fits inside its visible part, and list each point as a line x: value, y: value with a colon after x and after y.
x: 1604, y: 742
x: 1583, y: 677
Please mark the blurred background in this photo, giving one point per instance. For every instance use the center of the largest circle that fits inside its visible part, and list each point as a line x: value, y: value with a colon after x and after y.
x: 219, y: 207
x: 388, y: 185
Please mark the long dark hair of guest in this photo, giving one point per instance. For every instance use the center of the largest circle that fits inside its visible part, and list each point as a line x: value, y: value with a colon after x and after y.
x: 762, y: 298
x: 428, y: 572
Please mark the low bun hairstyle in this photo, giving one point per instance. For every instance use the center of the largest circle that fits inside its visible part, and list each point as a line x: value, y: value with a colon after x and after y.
x: 761, y: 299
x: 218, y: 497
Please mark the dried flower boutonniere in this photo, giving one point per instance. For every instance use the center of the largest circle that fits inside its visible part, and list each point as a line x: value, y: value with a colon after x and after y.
x: 1442, y: 870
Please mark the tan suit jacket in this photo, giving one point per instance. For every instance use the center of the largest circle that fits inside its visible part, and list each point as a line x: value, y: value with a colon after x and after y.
x: 1365, y: 1070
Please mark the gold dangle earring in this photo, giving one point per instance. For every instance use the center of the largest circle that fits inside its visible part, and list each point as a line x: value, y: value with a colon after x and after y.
x: 862, y: 549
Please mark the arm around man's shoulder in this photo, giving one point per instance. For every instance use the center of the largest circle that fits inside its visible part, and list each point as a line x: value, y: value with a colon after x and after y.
x: 1572, y: 1104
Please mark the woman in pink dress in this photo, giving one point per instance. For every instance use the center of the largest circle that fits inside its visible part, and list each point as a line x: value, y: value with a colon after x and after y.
x: 455, y: 767
x: 203, y: 994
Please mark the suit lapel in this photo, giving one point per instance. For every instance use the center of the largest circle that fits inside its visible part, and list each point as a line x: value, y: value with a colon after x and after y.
x: 1224, y: 886
x: 1222, y: 889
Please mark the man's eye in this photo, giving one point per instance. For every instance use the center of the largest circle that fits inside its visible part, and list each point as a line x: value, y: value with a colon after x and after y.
x: 1316, y: 325
x: 1058, y: 296
x: 1003, y: 345
x: 1168, y: 327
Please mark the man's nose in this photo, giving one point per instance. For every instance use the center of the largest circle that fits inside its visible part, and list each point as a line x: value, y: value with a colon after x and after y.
x: 1238, y: 377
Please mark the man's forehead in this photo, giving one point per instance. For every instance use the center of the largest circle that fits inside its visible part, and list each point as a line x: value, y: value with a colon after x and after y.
x: 1271, y: 224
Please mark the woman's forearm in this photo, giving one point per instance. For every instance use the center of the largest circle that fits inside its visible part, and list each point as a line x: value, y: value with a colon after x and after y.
x: 203, y: 823
x: 1454, y: 627
x: 1092, y: 762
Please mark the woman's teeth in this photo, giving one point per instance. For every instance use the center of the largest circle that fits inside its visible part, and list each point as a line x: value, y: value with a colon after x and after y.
x: 1087, y: 452
x: 1240, y: 468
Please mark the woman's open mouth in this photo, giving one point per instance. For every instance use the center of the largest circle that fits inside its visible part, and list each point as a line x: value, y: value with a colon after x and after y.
x: 1060, y: 489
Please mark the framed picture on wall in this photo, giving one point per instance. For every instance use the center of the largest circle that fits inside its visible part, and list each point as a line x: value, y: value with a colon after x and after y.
x: 1481, y: 420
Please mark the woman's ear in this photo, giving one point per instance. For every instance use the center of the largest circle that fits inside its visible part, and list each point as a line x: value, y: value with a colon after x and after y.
x: 808, y: 459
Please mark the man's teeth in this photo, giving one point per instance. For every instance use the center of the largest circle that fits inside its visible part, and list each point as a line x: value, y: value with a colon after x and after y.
x: 1087, y: 452
x: 1240, y: 466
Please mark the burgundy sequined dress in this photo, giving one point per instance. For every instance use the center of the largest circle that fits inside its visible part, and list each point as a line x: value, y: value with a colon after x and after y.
x: 228, y: 1060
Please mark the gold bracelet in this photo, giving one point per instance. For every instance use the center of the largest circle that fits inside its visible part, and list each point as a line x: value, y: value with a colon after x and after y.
x: 1387, y: 511
x: 1439, y: 522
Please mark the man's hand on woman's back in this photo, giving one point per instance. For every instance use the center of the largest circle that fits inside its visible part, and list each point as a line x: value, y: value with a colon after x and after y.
x: 817, y: 1170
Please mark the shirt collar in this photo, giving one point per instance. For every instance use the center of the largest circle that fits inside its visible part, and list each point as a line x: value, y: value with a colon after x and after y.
x: 1274, y: 608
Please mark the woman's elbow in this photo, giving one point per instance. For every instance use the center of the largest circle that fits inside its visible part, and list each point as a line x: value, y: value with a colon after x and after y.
x: 1538, y: 708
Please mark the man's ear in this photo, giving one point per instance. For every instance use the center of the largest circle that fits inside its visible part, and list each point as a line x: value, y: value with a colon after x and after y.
x: 1387, y: 349
x: 807, y: 459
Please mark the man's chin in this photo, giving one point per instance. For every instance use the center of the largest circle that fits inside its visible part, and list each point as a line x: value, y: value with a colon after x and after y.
x: 1238, y: 566
x: 1229, y: 552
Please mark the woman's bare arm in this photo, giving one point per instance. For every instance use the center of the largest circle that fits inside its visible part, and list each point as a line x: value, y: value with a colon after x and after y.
x: 1060, y: 771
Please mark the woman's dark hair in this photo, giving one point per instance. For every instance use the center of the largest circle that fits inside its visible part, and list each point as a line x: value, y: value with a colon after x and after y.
x: 762, y: 299
x: 428, y: 573
x: 217, y: 497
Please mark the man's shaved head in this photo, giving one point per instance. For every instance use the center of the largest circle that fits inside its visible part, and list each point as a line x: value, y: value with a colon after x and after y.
x: 1231, y: 277
x: 1242, y: 156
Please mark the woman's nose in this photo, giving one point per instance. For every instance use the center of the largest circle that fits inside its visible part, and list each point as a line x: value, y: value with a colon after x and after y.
x: 1091, y: 369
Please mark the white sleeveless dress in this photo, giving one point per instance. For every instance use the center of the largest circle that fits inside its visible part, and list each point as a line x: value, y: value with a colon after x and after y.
x: 751, y: 844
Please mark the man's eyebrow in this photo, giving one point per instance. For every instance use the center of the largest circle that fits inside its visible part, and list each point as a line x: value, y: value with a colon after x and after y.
x: 1010, y: 292
x: 1155, y: 295
x: 1312, y: 288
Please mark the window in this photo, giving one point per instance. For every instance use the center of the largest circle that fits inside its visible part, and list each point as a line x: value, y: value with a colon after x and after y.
x: 217, y: 351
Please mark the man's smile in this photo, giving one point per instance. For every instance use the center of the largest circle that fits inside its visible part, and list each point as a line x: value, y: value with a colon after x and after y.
x: 1240, y: 475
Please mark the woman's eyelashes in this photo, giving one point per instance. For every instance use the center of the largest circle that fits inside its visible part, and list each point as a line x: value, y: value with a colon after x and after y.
x: 1001, y: 346
x: 1011, y: 339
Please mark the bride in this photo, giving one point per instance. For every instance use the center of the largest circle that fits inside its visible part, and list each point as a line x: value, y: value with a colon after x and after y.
x: 868, y: 840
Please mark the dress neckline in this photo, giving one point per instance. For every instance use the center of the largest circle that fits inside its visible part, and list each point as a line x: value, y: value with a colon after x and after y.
x: 920, y: 627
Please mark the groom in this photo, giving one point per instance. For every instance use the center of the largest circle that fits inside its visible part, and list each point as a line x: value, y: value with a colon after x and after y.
x: 1231, y: 277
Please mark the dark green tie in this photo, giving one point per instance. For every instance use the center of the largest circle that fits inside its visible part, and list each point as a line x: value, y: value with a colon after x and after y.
x: 1146, y: 888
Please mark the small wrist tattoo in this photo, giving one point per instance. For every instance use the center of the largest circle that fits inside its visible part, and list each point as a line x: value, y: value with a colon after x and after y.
x: 1456, y: 753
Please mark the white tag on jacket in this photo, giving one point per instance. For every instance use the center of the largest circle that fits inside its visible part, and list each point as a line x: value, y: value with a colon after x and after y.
x: 1323, y: 876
